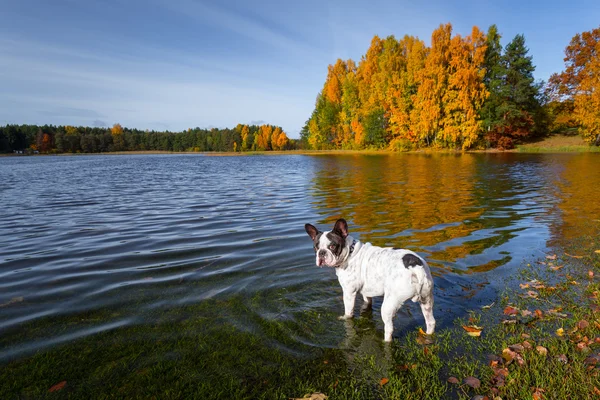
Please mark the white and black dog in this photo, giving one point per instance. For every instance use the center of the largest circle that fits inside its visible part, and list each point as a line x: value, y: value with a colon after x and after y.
x: 398, y: 275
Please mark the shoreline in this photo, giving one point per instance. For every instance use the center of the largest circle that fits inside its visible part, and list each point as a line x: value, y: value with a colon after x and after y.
x: 519, y: 150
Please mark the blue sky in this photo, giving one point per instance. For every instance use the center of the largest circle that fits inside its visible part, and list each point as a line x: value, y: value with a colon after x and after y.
x: 177, y: 64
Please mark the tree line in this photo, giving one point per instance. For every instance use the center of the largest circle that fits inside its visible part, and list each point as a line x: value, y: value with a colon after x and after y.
x: 459, y: 93
x: 71, y: 139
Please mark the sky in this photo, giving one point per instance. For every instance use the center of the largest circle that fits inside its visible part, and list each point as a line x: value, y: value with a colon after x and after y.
x: 179, y: 64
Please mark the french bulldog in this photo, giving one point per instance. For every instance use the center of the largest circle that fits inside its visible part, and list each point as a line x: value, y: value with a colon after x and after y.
x: 396, y: 274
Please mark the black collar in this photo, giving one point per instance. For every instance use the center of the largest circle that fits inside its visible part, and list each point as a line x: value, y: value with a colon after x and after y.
x: 352, y: 247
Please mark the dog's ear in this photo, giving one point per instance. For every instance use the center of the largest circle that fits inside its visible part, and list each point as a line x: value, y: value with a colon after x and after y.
x: 311, y: 230
x: 341, y: 227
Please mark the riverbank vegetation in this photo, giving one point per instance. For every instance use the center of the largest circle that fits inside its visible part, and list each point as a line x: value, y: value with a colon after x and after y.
x: 539, y: 340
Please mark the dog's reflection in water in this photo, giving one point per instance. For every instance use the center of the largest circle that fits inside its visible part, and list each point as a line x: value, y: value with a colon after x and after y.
x: 365, y: 351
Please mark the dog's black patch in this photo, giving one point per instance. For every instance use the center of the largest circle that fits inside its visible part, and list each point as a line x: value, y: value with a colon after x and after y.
x: 410, y: 260
x: 316, y: 241
x: 337, y: 242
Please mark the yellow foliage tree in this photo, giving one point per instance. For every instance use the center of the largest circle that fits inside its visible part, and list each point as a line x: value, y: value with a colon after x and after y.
x: 245, y: 133
x: 466, y: 92
x: 426, y: 116
x: 262, y: 138
x: 117, y: 136
x: 587, y: 99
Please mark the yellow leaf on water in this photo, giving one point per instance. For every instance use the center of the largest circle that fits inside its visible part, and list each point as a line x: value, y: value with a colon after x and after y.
x: 574, y: 256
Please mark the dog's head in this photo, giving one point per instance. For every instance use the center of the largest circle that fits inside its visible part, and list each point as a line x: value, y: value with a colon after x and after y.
x: 330, y: 247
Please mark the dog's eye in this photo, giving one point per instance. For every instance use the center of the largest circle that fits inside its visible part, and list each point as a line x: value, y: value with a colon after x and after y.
x: 332, y: 246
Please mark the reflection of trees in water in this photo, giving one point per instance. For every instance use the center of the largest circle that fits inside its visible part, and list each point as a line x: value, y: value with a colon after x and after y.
x: 579, y: 193
x: 471, y: 213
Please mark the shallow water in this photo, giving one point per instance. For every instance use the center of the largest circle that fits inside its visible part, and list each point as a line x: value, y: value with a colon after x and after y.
x: 90, y: 244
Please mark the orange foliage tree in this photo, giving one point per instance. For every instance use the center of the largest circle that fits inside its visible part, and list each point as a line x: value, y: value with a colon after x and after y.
x: 579, y: 83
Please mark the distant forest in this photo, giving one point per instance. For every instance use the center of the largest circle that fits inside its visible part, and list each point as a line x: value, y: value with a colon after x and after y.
x: 71, y: 139
x: 458, y: 93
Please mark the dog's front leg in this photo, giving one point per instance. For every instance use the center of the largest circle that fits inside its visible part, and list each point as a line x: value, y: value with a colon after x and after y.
x: 349, y: 298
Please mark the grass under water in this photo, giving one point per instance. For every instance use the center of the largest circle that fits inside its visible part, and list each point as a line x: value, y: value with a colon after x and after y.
x: 202, y: 351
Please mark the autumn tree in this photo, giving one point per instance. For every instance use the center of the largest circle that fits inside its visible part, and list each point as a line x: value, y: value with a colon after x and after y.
x: 117, y: 137
x: 426, y: 116
x: 465, y: 92
x: 403, y: 88
x: 578, y: 86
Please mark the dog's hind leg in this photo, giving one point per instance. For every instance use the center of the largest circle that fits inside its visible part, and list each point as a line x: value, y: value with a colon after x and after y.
x: 389, y: 307
x: 367, y: 304
x: 427, y: 309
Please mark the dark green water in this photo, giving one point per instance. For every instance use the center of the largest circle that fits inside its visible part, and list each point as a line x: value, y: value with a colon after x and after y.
x: 122, y: 266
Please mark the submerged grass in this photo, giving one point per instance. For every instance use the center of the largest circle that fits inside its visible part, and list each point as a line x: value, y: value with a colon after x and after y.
x: 199, y: 351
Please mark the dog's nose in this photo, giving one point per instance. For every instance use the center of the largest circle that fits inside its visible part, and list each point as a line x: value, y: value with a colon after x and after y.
x: 322, y: 253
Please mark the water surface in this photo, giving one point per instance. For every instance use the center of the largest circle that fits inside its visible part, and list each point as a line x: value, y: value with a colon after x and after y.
x: 94, y: 244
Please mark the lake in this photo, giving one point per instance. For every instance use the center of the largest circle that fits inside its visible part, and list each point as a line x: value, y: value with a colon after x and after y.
x: 133, y: 274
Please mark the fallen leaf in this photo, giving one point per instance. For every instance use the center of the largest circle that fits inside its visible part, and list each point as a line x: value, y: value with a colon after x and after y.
x: 532, y: 294
x: 552, y: 257
x: 557, y: 313
x: 541, y: 350
x: 596, y: 391
x: 570, y: 255
x: 383, y: 381
x: 526, y: 313
x: 562, y: 358
x: 583, y: 347
x: 525, y: 335
x: 424, y: 340
x: 58, y: 386
x: 527, y: 345
x: 453, y: 380
x: 421, y: 331
x: 510, y: 311
x: 314, y: 396
x: 537, y: 393
x: 509, y: 321
x: 583, y: 324
x: 597, y: 251
x: 592, y: 360
x: 508, y: 355
x: 472, y: 381
x: 406, y: 367
x: 538, y: 313
x: 473, y: 330
x: 489, y: 306
x: 560, y: 331
x: 591, y: 274
x: 517, y: 348
x: 12, y: 301
x: 524, y: 285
